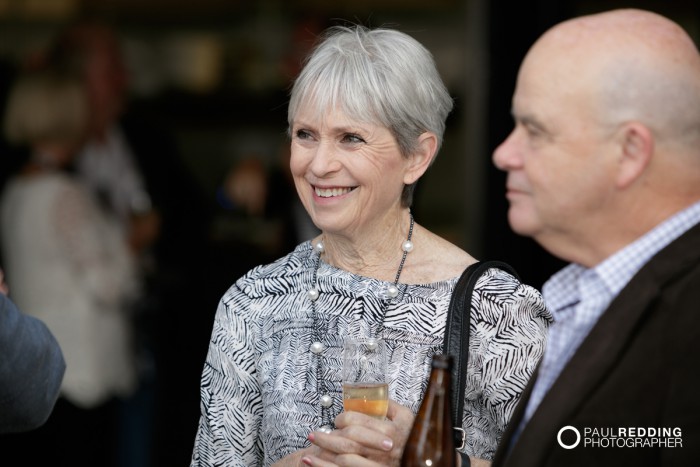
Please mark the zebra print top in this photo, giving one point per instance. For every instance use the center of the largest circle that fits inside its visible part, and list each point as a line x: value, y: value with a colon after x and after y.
x: 259, y: 384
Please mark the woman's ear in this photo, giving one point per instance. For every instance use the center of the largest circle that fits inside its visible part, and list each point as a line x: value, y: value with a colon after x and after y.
x: 637, y: 147
x: 420, y: 160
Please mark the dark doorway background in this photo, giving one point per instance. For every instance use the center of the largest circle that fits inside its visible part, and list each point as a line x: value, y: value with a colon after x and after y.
x: 514, y: 27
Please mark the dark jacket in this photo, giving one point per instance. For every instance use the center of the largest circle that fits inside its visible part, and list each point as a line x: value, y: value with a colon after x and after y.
x: 638, y: 368
x: 31, y: 370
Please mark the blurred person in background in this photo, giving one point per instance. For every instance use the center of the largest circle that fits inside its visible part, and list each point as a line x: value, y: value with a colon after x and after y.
x: 70, y: 266
x: 133, y: 165
x: 251, y: 190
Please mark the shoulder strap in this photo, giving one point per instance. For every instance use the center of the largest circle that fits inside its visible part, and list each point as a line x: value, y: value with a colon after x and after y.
x: 456, y: 341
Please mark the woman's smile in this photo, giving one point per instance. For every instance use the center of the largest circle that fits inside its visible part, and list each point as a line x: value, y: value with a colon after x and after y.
x: 332, y: 192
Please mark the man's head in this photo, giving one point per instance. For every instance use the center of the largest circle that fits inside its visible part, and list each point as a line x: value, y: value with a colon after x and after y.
x: 607, y: 137
x: 92, y: 51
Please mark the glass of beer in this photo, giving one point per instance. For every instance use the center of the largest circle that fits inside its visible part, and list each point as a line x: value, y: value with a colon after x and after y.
x: 365, y: 386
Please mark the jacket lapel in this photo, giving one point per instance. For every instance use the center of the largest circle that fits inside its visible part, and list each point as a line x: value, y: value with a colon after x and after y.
x: 598, y: 353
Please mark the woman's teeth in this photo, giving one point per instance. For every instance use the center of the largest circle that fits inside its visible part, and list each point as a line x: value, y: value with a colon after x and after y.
x: 330, y: 192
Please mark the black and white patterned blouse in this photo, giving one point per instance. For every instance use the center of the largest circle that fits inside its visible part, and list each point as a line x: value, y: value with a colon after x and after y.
x: 260, y: 386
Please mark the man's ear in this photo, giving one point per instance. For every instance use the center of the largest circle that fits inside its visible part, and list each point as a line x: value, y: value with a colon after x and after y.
x: 636, y: 149
x: 422, y: 158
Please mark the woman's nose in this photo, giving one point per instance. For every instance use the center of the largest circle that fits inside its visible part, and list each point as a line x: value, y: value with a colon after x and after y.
x: 325, y: 159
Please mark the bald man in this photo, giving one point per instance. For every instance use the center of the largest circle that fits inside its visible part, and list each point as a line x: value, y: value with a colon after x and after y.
x: 604, y: 172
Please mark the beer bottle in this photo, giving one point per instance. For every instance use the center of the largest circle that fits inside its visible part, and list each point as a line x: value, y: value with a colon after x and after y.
x: 431, y: 441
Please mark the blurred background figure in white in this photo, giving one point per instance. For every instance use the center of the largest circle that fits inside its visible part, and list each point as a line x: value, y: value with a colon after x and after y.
x: 69, y: 264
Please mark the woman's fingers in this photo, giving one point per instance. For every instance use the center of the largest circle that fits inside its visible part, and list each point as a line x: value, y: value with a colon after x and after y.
x: 341, y: 460
x: 362, y: 440
x: 353, y: 439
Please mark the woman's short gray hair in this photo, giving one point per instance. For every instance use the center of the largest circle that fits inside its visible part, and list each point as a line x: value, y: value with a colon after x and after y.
x: 382, y: 76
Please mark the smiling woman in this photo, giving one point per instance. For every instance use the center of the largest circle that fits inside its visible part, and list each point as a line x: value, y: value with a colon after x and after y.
x: 350, y: 174
x: 366, y: 119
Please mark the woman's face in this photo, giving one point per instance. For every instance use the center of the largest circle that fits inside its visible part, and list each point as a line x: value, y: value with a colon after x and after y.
x: 349, y: 174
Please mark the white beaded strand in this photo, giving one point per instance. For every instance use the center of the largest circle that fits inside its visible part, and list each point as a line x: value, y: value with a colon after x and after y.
x: 317, y: 347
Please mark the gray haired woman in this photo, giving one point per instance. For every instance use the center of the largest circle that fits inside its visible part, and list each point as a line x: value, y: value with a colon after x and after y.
x: 366, y: 120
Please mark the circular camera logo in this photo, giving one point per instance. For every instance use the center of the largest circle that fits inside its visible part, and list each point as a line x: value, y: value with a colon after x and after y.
x: 565, y: 429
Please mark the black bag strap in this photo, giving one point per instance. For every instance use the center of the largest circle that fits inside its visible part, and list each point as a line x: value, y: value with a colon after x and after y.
x: 456, y: 341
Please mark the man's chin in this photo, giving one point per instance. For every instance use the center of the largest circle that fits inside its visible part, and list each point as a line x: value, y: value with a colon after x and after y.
x: 521, y: 224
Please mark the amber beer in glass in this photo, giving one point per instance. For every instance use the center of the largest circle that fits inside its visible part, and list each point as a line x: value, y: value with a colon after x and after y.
x: 365, y: 386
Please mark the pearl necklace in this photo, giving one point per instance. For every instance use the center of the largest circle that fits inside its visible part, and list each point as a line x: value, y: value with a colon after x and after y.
x: 317, y: 348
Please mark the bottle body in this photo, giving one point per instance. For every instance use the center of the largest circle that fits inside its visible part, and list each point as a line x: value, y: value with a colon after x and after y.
x: 431, y: 441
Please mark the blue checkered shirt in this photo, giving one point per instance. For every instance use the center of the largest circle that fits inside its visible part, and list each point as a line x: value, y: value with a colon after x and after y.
x: 577, y: 297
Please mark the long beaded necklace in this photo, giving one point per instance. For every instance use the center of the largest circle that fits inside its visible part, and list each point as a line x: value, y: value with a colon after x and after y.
x: 317, y: 348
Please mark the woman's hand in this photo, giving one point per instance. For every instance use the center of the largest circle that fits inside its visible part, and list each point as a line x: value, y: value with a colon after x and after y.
x: 294, y: 459
x: 362, y: 440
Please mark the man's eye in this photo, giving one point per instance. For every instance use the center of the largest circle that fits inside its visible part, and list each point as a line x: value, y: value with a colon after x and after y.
x: 532, y: 131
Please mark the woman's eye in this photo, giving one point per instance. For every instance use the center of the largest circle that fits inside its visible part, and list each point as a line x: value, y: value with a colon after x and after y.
x: 352, y: 138
x: 302, y: 134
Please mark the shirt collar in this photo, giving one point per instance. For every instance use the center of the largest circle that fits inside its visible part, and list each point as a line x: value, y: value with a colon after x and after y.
x: 617, y: 270
x: 563, y: 289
